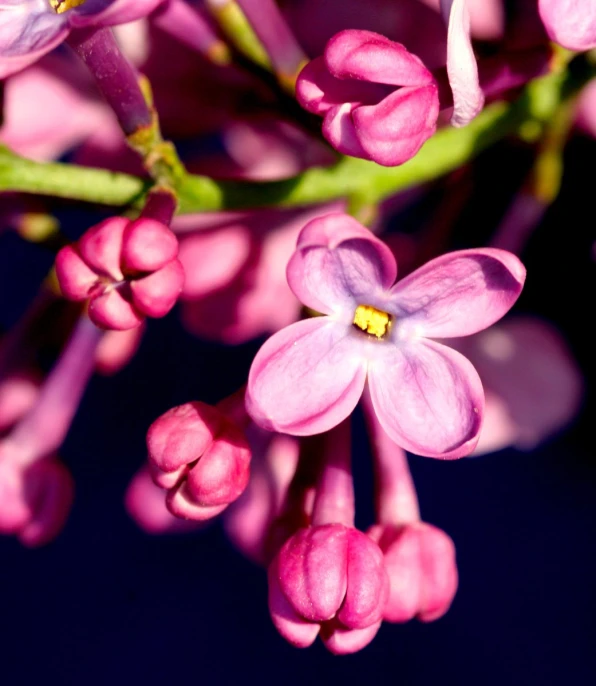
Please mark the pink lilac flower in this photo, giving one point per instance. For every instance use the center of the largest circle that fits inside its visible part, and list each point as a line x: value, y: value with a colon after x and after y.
x: 200, y: 457
x: 57, y: 85
x: 36, y: 490
x: 235, y: 287
x: 35, y: 498
x: 126, y: 270
x: 419, y: 558
x: 31, y: 28
x: 329, y: 579
x: 571, y: 23
x: 308, y: 377
x: 145, y: 504
x: 379, y: 101
x: 533, y: 385
x: 248, y: 521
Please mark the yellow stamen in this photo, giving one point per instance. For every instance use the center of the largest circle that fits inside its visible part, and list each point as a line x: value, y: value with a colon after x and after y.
x: 60, y: 6
x: 372, y: 321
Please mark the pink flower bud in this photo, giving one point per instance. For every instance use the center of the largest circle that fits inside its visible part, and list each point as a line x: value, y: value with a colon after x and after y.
x: 147, y: 245
x: 34, y: 500
x: 420, y: 561
x: 379, y: 101
x: 126, y: 270
x: 331, y: 579
x: 571, y: 23
x: 201, y: 457
x: 145, y: 503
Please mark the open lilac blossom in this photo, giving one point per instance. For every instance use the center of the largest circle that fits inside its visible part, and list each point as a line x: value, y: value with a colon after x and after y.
x: 571, y: 23
x: 126, y: 270
x: 308, y: 377
x: 200, y: 457
x: 31, y: 28
x: 379, y: 101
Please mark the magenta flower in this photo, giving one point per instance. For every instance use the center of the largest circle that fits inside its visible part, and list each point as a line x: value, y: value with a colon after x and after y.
x: 329, y: 579
x: 571, y: 23
x: 31, y: 28
x: 126, y: 270
x: 35, y: 498
x: 379, y: 102
x: 309, y: 376
x: 201, y: 457
x: 420, y: 562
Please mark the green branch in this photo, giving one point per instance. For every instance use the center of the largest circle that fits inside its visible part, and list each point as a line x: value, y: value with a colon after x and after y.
x: 357, y: 180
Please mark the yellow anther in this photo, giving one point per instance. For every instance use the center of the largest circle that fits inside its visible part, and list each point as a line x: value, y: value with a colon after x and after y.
x: 60, y: 6
x: 372, y: 321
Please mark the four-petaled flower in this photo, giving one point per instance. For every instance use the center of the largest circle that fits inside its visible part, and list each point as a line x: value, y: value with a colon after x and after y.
x: 309, y: 376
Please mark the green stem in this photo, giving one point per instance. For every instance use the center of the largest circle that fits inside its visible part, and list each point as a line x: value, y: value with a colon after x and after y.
x: 358, y: 180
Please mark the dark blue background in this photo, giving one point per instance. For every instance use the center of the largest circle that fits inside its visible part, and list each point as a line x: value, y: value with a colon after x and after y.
x: 108, y: 604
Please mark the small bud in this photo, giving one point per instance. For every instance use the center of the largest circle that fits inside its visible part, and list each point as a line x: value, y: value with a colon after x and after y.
x: 201, y: 457
x: 420, y: 561
x: 34, y: 500
x: 332, y: 578
x: 126, y: 270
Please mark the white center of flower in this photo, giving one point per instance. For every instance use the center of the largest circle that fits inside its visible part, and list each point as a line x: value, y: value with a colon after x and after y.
x: 60, y: 6
x: 372, y: 321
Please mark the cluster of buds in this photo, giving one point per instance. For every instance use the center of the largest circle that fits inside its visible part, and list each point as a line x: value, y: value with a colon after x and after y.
x: 266, y: 225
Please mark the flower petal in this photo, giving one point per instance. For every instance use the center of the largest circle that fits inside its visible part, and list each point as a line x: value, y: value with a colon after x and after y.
x: 462, y: 69
x: 318, y: 91
x: 337, y: 264
x: 458, y: 294
x: 571, y: 23
x: 28, y: 30
x: 306, y: 379
x: 354, y: 54
x: 428, y: 399
x: 393, y: 131
x: 110, y: 12
x: 338, y: 129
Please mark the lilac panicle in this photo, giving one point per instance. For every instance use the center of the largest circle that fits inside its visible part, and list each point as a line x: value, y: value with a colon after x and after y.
x: 31, y: 28
x: 309, y: 376
x: 379, y: 102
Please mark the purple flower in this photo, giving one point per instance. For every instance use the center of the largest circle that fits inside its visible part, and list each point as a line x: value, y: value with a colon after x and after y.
x: 428, y: 398
x: 379, y: 102
x: 31, y: 28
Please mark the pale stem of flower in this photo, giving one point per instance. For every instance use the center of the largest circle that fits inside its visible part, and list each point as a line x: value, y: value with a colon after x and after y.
x: 395, y: 493
x: 43, y: 429
x: 334, y: 500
